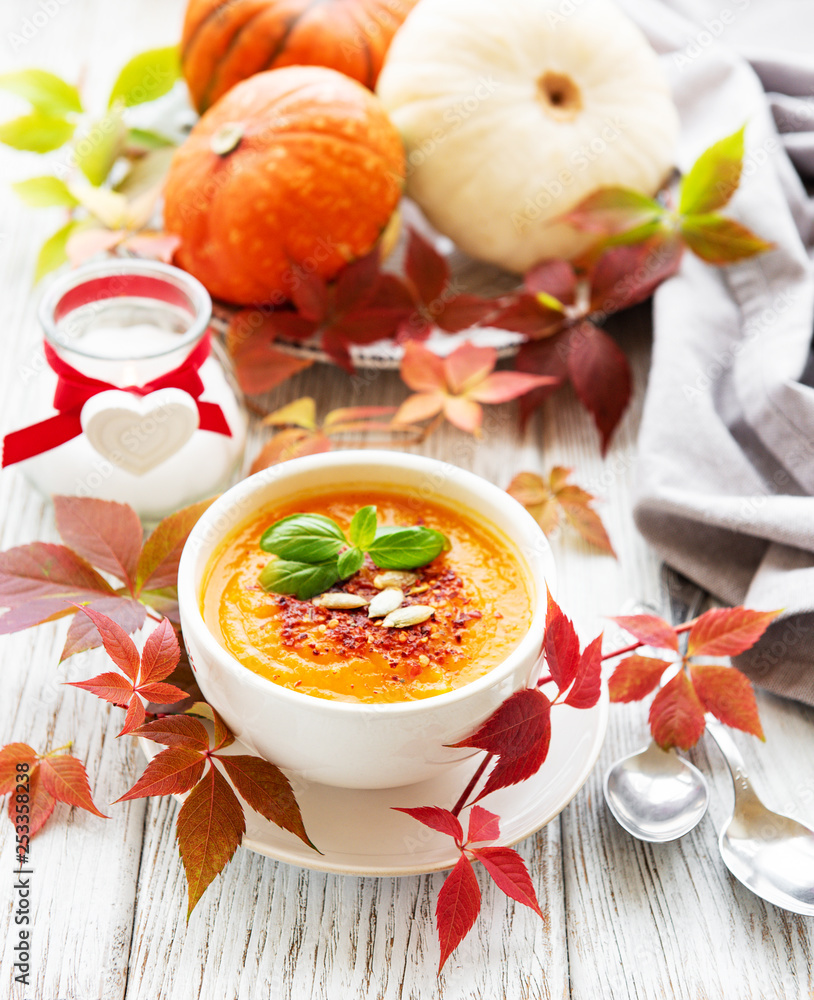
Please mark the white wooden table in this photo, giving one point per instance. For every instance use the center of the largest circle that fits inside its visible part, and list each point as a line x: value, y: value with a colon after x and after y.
x: 621, y: 919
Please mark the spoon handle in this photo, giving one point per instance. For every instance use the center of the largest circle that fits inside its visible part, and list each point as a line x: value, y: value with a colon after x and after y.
x: 745, y: 795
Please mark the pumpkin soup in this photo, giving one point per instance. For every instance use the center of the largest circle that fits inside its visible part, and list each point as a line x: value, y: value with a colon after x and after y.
x: 381, y: 635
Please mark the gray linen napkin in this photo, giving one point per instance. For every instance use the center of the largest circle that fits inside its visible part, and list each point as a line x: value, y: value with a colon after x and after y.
x: 725, y: 488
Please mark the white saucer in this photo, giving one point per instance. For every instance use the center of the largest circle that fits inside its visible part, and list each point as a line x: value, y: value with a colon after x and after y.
x: 359, y: 833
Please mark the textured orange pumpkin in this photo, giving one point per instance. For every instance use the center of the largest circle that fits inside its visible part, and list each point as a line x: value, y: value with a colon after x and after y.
x: 296, y: 170
x: 225, y: 41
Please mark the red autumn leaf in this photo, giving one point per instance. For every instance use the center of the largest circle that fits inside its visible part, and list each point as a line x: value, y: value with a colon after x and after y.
x: 626, y: 275
x: 309, y: 293
x: 526, y: 314
x: 267, y: 790
x: 426, y: 269
x: 40, y: 805
x: 107, y: 534
x: 291, y: 443
x: 158, y: 562
x: 176, y: 731
x: 533, y: 493
x: 635, y: 677
x: 542, y: 357
x: 588, y: 682
x: 461, y: 312
x: 171, y: 772
x: 600, y: 374
x: 649, y: 629
x: 223, y: 736
x: 118, y: 644
x: 42, y: 579
x: 436, y: 818
x: 66, y: 779
x: 728, y: 631
x: 509, y: 873
x: 726, y: 693
x: 457, y: 907
x: 209, y: 828
x: 109, y: 686
x: 259, y: 365
x: 135, y: 716
x: 379, y: 316
x: 613, y: 210
x: 718, y: 240
x: 156, y: 246
x: 83, y: 634
x: 484, y: 826
x: 160, y: 654
x: 677, y: 715
x: 356, y: 283
x: 561, y: 645
x: 11, y: 755
x: 554, y: 277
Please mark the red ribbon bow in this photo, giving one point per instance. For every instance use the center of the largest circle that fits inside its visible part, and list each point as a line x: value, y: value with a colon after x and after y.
x: 74, y: 389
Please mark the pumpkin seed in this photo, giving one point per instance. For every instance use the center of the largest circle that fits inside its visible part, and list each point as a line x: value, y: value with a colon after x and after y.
x: 339, y: 601
x: 394, y: 578
x: 384, y: 602
x: 413, y: 614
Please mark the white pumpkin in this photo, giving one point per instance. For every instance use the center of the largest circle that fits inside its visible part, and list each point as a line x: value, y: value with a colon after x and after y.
x: 513, y: 111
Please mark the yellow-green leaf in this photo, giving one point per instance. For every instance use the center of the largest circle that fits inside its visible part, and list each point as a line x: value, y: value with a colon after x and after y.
x: 36, y: 133
x: 145, y: 139
x: 718, y: 240
x: 301, y: 413
x: 99, y: 145
x: 45, y: 191
x: 53, y: 253
x: 714, y: 177
x: 146, y: 77
x: 45, y: 91
x: 613, y: 210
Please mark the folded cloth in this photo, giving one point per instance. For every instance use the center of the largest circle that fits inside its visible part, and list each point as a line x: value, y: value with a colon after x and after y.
x: 725, y: 475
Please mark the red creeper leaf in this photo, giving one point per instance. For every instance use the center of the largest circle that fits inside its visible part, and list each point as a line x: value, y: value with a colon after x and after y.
x: 426, y: 268
x: 601, y: 377
x: 40, y: 804
x: 649, y: 629
x: 677, y: 715
x: 158, y: 562
x: 161, y: 653
x: 561, y: 645
x: 11, y: 755
x: 484, y: 826
x: 635, y: 677
x: 210, y: 827
x: 118, y: 644
x: 457, y: 907
x: 83, y: 634
x: 436, y: 818
x: 588, y: 682
x: 66, y: 779
x: 171, y: 772
x: 135, y: 716
x: 509, y: 873
x: 728, y: 631
x: 109, y: 686
x: 726, y: 693
x: 107, y: 534
x: 515, y: 727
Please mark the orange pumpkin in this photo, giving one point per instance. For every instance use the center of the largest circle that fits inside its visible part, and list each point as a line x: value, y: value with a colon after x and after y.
x: 296, y: 170
x: 225, y: 41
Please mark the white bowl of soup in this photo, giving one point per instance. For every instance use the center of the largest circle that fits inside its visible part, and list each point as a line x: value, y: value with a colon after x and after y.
x: 332, y: 692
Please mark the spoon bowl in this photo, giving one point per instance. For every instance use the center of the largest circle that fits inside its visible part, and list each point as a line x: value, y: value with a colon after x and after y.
x: 771, y: 854
x: 656, y: 795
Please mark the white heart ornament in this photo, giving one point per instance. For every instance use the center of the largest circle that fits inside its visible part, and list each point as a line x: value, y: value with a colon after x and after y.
x: 137, y: 433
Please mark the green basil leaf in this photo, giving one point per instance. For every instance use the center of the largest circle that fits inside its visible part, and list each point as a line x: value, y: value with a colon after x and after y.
x: 304, y: 580
x: 304, y: 538
x: 363, y: 528
x: 146, y: 76
x: 37, y: 132
x: 407, y: 548
x: 45, y: 191
x: 350, y: 562
x: 43, y: 90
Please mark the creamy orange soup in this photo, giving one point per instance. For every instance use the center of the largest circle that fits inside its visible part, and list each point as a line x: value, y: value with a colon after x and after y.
x: 479, y: 592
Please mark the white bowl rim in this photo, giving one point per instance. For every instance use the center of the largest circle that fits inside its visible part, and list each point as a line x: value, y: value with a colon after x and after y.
x: 188, y: 585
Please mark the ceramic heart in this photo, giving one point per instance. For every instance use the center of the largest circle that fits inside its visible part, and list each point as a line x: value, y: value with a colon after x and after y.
x: 138, y: 433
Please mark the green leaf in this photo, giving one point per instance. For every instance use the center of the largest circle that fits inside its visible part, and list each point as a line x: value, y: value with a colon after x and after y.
x: 36, y: 133
x: 45, y: 191
x: 53, y: 253
x: 406, y: 548
x: 146, y: 77
x: 350, y: 562
x: 304, y: 580
x: 718, y: 240
x: 714, y: 177
x: 304, y: 538
x: 145, y: 139
x: 99, y: 146
x: 363, y: 527
x: 46, y: 92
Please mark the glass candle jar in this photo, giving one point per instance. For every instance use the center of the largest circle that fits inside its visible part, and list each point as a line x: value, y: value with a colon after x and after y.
x: 144, y: 411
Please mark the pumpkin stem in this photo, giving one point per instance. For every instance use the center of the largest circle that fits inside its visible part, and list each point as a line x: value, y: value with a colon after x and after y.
x: 561, y: 97
x: 226, y: 139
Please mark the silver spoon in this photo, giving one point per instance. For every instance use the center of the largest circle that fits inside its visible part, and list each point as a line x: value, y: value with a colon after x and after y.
x: 656, y: 795
x: 771, y: 854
